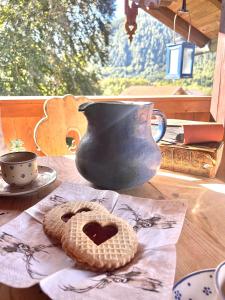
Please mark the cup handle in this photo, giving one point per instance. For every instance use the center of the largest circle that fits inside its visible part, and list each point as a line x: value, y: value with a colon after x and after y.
x: 161, y: 126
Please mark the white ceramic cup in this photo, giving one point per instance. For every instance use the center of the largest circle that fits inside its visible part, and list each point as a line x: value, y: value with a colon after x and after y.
x: 19, y: 168
x: 220, y: 281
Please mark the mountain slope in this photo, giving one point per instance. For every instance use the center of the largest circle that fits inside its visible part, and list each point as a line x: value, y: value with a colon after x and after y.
x: 145, y: 57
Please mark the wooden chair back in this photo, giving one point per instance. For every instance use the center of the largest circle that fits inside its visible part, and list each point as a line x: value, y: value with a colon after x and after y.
x: 62, y: 127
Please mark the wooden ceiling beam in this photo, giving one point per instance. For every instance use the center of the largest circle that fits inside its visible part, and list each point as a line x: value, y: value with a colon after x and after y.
x: 217, y: 3
x: 166, y: 16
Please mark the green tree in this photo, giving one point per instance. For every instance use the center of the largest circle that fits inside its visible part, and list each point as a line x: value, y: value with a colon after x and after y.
x: 49, y: 46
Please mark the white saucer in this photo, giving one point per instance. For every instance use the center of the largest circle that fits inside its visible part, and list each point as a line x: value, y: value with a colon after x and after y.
x: 196, y: 286
x: 46, y: 176
x: 220, y: 279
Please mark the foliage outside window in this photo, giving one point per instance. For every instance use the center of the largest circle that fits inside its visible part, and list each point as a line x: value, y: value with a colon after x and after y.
x: 58, y: 47
x: 49, y: 47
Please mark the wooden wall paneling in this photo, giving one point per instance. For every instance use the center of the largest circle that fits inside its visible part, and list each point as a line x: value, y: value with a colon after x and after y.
x: 20, y: 128
x: 202, y: 116
x: 19, y: 117
x: 18, y: 120
x: 8, y: 129
x: 217, y: 80
x: 25, y: 131
x: 188, y: 107
x: 185, y: 116
x: 171, y: 116
x: 166, y: 16
x: 221, y: 95
x: 205, y: 20
x: 19, y: 108
x: 217, y: 108
x: 3, y: 148
x: 168, y: 104
x: 222, y: 19
x: 217, y: 3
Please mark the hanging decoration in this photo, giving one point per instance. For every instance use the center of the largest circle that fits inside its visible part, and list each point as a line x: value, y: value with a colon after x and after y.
x: 131, y: 12
x: 180, y: 56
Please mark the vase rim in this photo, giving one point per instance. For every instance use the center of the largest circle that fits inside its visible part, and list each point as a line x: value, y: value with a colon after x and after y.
x: 135, y: 103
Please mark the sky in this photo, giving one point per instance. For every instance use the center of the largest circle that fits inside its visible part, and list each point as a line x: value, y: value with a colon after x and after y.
x: 120, y: 8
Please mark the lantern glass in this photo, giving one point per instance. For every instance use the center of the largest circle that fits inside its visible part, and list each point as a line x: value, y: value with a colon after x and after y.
x: 174, y: 61
x: 187, y: 61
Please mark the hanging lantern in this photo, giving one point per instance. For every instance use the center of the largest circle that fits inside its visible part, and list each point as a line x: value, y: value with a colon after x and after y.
x: 180, y: 60
x: 180, y: 56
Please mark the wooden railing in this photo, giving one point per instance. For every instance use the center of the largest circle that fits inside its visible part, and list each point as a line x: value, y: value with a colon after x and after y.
x: 19, y: 115
x: 195, y: 108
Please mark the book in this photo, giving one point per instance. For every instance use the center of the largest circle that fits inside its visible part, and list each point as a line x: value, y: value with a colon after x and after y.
x: 197, y: 159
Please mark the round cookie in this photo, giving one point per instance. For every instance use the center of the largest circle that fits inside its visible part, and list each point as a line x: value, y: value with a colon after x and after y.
x: 101, y: 241
x: 55, y: 219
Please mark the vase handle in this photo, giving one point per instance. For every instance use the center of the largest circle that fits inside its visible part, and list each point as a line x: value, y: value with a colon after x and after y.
x: 161, y: 126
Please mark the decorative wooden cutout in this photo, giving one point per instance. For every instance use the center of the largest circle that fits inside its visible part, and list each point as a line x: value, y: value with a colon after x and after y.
x: 62, y: 121
x: 72, y: 139
x: 131, y: 13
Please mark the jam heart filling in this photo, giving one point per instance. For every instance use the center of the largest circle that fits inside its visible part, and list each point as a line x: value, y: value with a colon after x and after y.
x: 99, y: 234
x: 65, y: 218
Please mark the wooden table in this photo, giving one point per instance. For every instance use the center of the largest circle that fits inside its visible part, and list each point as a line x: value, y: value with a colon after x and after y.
x: 202, y: 241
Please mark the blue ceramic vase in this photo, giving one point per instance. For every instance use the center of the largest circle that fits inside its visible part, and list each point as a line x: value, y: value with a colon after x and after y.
x: 118, y: 150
